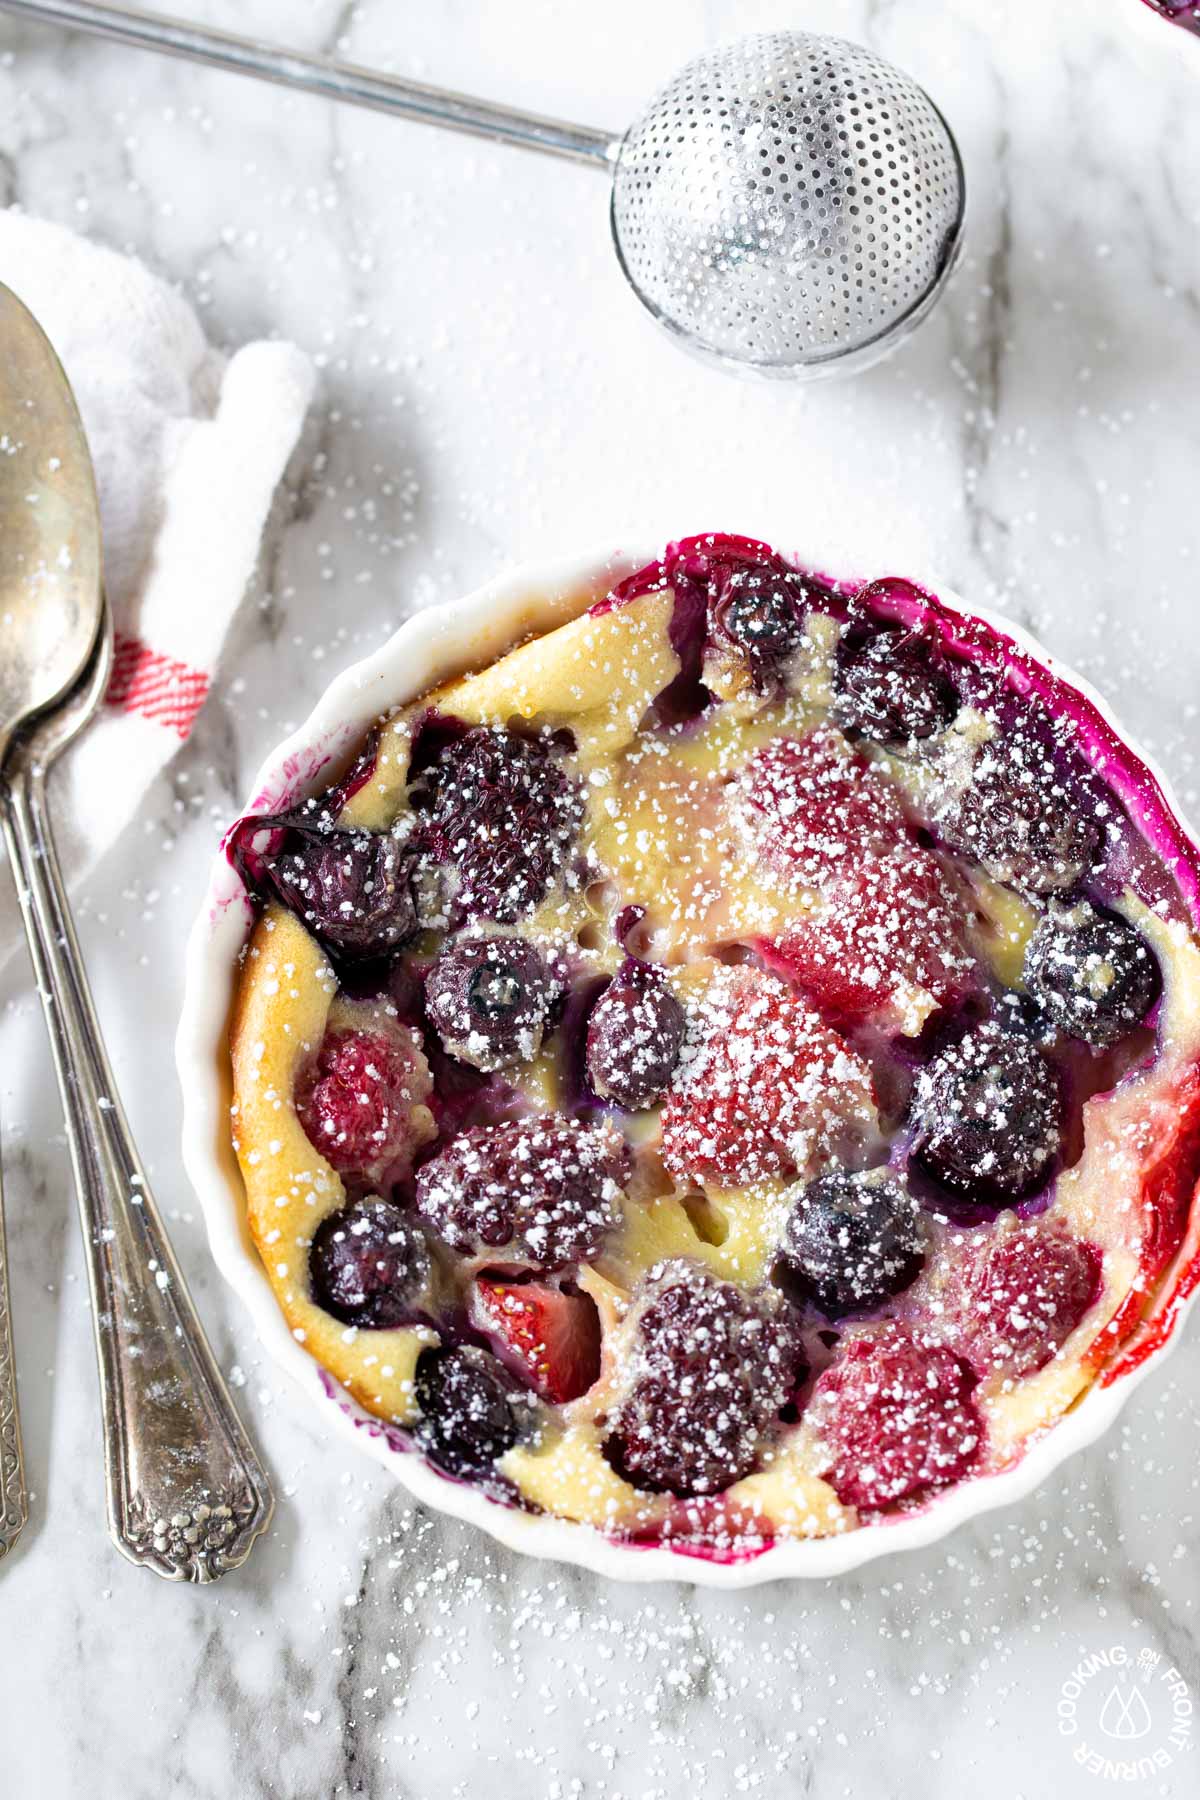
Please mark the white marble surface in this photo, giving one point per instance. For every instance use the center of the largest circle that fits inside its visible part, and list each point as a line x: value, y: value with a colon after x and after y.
x: 490, y: 391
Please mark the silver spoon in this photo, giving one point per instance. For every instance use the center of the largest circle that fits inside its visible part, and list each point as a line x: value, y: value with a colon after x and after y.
x: 789, y: 204
x: 14, y: 1499
x: 187, y: 1494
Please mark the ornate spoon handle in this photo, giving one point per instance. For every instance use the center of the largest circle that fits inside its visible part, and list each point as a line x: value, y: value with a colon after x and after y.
x: 14, y: 1503
x: 187, y: 1494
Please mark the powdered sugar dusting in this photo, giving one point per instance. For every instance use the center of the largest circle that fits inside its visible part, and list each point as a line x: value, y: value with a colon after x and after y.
x: 764, y: 1087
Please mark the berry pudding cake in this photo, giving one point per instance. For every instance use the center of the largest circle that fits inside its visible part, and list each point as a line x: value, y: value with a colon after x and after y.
x: 728, y: 1070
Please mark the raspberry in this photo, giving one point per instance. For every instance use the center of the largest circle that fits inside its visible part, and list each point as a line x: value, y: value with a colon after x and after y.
x: 1093, y: 975
x: 891, y: 924
x: 895, y: 1416
x: 852, y: 1241
x: 890, y: 689
x: 488, y: 1000
x: 550, y: 1338
x: 988, y: 1116
x: 350, y: 888
x: 1025, y: 1294
x: 634, y: 1037
x: 368, y: 1265
x: 533, y: 1193
x: 1020, y: 820
x: 498, y: 817
x: 362, y: 1103
x: 710, y: 1366
x: 813, y: 806
x: 766, y: 1087
x: 469, y: 1412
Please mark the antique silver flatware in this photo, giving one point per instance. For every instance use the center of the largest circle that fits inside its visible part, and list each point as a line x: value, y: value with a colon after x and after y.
x: 187, y: 1494
x: 789, y: 204
x: 14, y: 1499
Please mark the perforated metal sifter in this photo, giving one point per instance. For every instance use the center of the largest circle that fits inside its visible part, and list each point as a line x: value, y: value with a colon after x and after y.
x: 788, y: 205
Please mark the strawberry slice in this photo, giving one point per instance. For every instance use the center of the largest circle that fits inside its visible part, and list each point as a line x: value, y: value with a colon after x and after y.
x: 549, y: 1338
x: 765, y: 1088
x: 887, y: 932
x: 813, y: 806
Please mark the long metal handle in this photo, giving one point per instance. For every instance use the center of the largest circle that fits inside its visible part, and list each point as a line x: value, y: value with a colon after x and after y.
x: 322, y: 75
x: 14, y: 1501
x: 187, y: 1494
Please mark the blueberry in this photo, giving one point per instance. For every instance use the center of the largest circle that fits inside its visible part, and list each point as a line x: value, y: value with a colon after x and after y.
x: 889, y: 688
x: 711, y: 1367
x: 497, y: 817
x: 467, y: 1410
x: 488, y: 1000
x: 532, y: 1193
x: 634, y: 1037
x: 1020, y: 820
x: 350, y: 888
x: 987, y: 1114
x: 1093, y: 975
x: 369, y: 1265
x: 851, y: 1241
x: 760, y: 610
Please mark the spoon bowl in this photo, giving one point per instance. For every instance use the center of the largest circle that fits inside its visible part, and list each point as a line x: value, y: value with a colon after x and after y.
x: 51, y: 600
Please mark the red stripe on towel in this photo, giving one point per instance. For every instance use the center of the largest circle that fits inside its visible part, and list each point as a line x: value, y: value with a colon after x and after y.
x: 147, y: 682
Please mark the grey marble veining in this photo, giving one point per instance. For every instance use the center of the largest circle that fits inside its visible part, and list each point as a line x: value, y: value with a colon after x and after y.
x: 490, y: 391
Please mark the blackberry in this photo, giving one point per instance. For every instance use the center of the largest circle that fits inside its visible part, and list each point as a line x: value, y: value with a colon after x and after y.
x: 1093, y: 975
x: 852, y: 1241
x: 634, y: 1038
x: 1021, y: 822
x: 369, y: 1265
x: 468, y: 1410
x: 488, y: 1000
x: 533, y: 1193
x: 710, y: 1368
x: 498, y: 816
x: 988, y: 1114
x: 889, y: 688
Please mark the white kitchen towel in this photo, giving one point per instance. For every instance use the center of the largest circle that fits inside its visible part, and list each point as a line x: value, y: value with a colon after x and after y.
x: 188, y: 447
